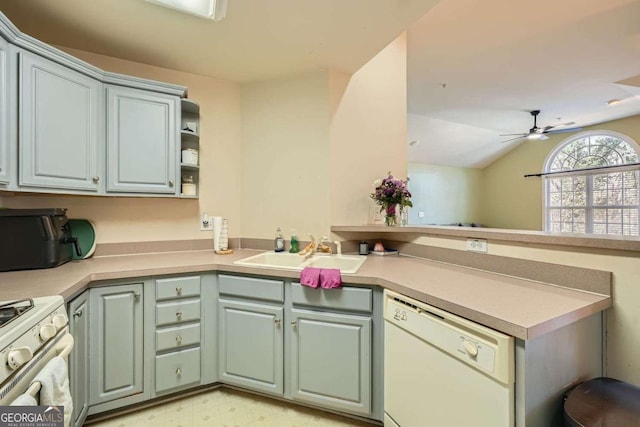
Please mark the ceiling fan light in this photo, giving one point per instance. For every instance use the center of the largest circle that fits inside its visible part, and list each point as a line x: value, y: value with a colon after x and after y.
x: 209, y: 9
x: 535, y: 135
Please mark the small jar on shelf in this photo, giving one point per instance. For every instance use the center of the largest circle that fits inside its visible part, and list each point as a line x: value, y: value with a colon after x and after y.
x: 188, y: 186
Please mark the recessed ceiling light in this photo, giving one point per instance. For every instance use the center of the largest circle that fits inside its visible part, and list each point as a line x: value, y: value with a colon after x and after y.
x: 209, y: 9
x: 613, y: 102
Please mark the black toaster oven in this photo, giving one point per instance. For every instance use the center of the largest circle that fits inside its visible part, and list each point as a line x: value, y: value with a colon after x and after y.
x: 35, y: 238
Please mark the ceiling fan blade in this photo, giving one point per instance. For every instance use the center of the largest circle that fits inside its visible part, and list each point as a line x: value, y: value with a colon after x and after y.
x: 513, y: 139
x: 548, y: 128
x: 551, y: 132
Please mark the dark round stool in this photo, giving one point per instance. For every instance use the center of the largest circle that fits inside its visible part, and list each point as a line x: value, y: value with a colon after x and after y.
x: 603, y: 402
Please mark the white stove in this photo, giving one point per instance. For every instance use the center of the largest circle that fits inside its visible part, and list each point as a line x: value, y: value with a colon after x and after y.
x: 29, y: 332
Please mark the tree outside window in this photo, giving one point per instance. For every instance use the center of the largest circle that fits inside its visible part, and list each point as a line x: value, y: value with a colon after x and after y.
x: 593, y: 201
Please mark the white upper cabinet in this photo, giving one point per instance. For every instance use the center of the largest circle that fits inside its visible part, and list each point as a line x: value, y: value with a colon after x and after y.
x: 59, y: 126
x: 142, y: 133
x: 4, y: 111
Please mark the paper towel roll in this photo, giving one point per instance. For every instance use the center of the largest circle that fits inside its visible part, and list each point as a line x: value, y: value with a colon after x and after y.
x: 217, y: 229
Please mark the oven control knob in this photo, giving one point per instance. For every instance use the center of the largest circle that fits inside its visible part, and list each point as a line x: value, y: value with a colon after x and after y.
x: 18, y: 357
x: 47, y: 331
x: 59, y: 321
x: 471, y: 348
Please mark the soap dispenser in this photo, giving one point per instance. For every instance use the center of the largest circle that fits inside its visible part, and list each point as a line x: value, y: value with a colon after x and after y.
x: 294, y: 243
x: 279, y: 241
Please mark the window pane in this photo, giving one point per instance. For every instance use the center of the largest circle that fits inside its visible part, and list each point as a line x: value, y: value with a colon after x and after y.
x: 599, y: 229
x: 611, y: 198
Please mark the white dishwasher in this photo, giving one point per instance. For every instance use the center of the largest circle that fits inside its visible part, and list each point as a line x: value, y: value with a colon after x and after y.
x: 443, y: 370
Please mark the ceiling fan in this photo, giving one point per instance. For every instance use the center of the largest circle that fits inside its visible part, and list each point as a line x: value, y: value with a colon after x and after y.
x: 540, y: 133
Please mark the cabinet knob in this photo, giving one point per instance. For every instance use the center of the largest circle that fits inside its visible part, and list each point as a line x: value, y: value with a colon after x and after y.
x: 178, y: 339
x: 277, y: 322
x: 179, y: 315
x: 136, y: 296
x: 77, y: 313
x: 178, y: 371
x: 179, y: 290
x: 96, y: 179
x: 171, y: 184
x: 294, y: 323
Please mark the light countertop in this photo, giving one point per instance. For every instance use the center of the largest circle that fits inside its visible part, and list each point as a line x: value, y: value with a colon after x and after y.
x: 517, y: 307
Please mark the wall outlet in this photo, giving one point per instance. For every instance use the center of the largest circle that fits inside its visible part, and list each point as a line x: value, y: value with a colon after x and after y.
x: 206, y: 222
x: 420, y: 214
x: 477, y: 245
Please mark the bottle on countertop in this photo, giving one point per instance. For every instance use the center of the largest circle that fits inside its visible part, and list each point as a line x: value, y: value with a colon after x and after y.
x: 294, y: 243
x: 279, y: 241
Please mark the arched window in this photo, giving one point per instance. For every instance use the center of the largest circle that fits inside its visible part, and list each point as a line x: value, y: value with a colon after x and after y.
x: 586, y: 199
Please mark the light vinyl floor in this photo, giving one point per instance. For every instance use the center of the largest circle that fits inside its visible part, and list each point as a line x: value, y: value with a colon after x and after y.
x: 229, y: 408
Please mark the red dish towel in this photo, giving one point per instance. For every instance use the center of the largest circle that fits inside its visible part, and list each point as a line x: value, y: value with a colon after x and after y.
x: 330, y: 278
x: 310, y: 277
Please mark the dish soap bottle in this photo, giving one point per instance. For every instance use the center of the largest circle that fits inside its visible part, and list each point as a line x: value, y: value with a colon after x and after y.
x: 279, y: 241
x: 294, y: 243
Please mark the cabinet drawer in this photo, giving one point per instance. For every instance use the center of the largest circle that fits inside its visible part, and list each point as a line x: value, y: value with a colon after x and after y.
x: 347, y: 298
x: 177, y: 311
x: 176, y: 337
x: 177, y: 369
x: 264, y: 289
x: 177, y: 287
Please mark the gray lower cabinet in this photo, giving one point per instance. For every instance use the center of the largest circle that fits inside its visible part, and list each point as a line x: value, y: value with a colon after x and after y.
x: 317, y: 346
x: 178, y: 333
x: 251, y: 345
x: 59, y: 126
x: 142, y: 133
x: 116, y: 342
x: 4, y: 111
x: 331, y: 360
x: 79, y: 358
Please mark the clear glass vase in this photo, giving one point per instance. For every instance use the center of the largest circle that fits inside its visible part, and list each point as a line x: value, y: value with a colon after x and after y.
x: 390, y: 218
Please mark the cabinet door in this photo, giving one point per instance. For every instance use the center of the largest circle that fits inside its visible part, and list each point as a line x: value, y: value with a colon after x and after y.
x: 79, y: 357
x: 58, y: 125
x: 141, y: 141
x: 116, y: 342
x: 4, y: 111
x: 251, y: 346
x: 331, y: 360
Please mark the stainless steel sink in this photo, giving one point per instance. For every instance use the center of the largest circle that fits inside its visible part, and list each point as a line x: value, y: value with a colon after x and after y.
x: 347, y: 264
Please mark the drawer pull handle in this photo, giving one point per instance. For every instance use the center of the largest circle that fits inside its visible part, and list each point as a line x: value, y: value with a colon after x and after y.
x: 294, y: 323
x: 179, y: 339
x: 179, y: 290
x: 277, y: 322
x: 179, y: 315
x: 178, y: 372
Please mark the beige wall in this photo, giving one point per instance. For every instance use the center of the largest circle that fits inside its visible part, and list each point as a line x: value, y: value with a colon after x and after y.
x: 285, y: 162
x: 150, y: 219
x: 445, y: 194
x: 368, y: 131
x: 512, y: 201
x: 313, y: 144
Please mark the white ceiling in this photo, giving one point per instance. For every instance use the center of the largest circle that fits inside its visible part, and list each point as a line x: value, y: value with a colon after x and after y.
x: 499, y: 59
